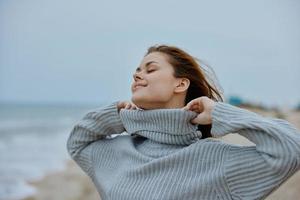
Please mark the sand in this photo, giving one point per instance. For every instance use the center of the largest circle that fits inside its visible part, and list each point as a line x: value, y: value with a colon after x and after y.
x: 73, y: 184
x: 70, y: 184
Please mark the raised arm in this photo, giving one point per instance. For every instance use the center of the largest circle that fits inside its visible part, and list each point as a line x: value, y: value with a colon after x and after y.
x: 253, y: 172
x: 96, y: 125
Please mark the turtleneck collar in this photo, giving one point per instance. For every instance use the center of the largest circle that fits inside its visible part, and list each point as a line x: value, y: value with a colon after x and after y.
x: 169, y: 126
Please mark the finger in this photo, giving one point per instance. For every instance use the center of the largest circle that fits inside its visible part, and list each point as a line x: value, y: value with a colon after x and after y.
x: 193, y: 102
x: 188, y: 106
x: 134, y: 107
x: 201, y: 119
x: 197, y: 120
x: 194, y: 121
x: 131, y: 106
x: 194, y: 108
x: 121, y: 104
x: 198, y: 106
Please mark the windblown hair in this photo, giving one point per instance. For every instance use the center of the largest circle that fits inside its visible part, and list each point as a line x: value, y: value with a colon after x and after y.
x: 186, y: 66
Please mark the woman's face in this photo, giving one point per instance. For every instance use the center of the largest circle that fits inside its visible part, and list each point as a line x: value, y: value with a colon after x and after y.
x: 154, y: 85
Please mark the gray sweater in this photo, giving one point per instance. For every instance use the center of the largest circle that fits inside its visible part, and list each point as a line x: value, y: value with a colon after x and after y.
x: 163, y: 156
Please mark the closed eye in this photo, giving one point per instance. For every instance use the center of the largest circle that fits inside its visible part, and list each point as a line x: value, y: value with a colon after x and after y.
x: 151, y: 70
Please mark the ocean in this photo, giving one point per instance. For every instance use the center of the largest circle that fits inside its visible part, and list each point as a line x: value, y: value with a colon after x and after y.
x: 33, y: 143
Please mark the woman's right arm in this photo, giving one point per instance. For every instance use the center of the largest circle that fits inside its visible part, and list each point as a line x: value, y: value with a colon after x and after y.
x: 95, y: 125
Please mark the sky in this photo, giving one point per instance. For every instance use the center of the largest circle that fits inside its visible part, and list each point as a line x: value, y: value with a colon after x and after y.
x: 85, y: 52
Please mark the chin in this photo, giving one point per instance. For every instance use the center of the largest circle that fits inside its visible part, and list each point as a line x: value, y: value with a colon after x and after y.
x: 140, y: 103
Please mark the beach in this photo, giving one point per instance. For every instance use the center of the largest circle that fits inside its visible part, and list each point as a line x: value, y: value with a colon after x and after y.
x: 33, y: 149
x: 71, y: 183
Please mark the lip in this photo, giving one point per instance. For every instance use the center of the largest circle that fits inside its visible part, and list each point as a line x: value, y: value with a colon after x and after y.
x: 137, y: 86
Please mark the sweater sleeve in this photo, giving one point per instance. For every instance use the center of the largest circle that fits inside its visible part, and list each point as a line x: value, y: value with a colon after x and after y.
x: 253, y: 172
x: 96, y: 125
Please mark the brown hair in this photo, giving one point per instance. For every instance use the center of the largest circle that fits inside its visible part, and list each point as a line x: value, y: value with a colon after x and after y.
x: 186, y: 66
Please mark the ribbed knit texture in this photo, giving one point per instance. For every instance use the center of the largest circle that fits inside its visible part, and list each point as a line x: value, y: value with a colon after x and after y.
x: 163, y: 156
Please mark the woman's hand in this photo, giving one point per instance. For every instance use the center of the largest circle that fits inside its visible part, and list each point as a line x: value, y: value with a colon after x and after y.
x: 126, y: 105
x: 204, y: 106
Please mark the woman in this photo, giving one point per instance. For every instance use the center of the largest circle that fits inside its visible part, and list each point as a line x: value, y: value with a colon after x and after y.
x: 169, y: 152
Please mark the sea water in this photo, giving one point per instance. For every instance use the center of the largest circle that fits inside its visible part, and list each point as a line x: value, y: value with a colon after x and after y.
x: 33, y: 143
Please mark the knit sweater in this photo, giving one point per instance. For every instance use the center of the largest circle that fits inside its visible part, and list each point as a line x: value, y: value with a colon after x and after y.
x: 160, y: 155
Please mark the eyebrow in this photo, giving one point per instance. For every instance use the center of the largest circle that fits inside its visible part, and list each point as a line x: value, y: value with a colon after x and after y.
x: 147, y: 65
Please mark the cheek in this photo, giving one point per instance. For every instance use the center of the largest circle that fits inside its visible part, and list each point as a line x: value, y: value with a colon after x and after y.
x: 161, y: 88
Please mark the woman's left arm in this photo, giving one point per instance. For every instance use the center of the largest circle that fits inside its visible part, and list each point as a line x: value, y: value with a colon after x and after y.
x: 276, y: 139
x: 255, y: 171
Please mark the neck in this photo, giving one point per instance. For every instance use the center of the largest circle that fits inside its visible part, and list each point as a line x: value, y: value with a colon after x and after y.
x: 175, y: 103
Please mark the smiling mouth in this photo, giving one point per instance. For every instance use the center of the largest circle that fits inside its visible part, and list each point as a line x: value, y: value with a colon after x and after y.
x: 138, y: 86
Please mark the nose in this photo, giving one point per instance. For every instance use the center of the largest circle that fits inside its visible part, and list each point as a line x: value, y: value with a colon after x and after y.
x: 136, y: 76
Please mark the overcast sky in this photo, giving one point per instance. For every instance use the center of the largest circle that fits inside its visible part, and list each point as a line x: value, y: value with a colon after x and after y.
x: 86, y: 51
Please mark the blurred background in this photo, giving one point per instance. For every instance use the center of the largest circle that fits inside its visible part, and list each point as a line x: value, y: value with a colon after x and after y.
x: 59, y: 59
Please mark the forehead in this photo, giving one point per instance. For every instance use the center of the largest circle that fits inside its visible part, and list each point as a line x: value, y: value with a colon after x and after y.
x: 155, y: 56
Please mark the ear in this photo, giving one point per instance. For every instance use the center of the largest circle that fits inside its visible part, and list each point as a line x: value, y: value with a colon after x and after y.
x: 182, y: 85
